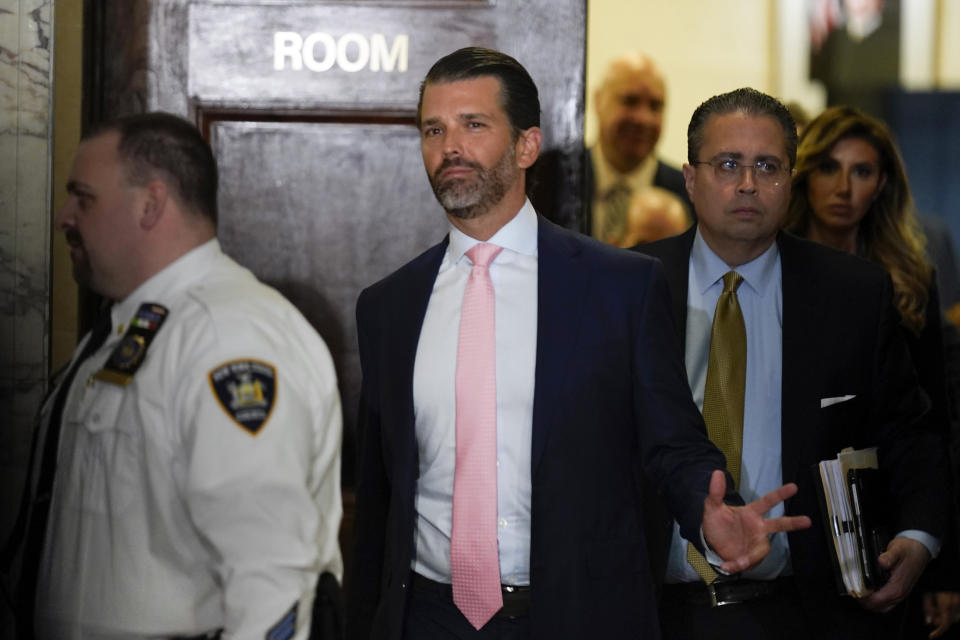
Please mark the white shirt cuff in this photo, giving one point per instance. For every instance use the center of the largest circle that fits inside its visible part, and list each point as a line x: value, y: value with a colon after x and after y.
x: 713, y: 558
x: 930, y: 542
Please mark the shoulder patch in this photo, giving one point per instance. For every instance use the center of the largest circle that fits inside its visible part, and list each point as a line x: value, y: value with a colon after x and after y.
x: 246, y: 390
x: 286, y: 627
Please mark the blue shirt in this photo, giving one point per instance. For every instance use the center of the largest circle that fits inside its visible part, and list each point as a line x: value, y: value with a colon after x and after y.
x: 761, y: 301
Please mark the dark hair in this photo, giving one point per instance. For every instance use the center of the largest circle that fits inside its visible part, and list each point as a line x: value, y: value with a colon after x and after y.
x: 518, y: 93
x: 748, y: 101
x: 162, y: 143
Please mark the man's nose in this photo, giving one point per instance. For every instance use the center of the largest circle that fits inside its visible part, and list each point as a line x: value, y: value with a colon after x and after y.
x: 644, y: 113
x: 64, y: 215
x: 747, y: 178
x: 452, y: 142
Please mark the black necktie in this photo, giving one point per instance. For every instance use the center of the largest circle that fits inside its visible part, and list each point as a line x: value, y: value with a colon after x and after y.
x: 31, y: 526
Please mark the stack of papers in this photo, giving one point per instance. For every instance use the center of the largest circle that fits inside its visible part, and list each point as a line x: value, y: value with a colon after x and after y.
x: 849, y: 496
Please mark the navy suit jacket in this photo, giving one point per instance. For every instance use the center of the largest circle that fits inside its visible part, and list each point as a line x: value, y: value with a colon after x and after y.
x: 610, y: 399
x: 841, y: 336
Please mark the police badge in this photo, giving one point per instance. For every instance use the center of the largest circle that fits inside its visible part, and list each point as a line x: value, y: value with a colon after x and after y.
x: 128, y: 355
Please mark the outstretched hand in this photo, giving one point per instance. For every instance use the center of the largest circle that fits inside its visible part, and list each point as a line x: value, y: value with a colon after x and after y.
x: 741, y: 535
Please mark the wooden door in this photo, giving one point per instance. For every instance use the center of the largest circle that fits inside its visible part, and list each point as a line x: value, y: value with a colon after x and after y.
x: 310, y: 109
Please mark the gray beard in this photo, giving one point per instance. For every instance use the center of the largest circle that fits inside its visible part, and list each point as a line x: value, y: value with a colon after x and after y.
x: 466, y: 198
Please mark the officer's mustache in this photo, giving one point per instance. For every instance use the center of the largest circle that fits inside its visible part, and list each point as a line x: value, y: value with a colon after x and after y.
x: 73, y: 238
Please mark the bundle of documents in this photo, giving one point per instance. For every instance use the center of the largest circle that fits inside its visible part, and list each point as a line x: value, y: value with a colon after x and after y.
x: 855, y: 513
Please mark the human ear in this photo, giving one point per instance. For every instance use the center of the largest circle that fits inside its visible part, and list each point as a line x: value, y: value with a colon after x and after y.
x: 155, y: 196
x: 528, y: 147
x: 689, y: 174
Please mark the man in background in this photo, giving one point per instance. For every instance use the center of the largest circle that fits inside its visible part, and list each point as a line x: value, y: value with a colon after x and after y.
x: 185, y: 481
x: 630, y: 105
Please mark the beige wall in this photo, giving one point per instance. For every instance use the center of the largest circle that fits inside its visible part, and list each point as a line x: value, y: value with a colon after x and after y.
x: 949, y: 43
x: 690, y: 40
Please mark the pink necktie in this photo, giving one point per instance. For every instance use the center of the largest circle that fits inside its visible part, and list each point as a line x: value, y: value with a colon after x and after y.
x: 474, y: 561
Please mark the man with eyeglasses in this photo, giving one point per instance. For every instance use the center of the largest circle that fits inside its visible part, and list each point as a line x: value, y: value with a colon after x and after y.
x: 792, y: 352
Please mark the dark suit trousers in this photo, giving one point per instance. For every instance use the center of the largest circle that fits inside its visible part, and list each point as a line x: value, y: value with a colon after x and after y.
x: 776, y: 616
x: 434, y: 616
x: 781, y: 616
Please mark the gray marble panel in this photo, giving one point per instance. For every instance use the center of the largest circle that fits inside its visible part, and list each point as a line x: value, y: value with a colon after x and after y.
x: 25, y: 76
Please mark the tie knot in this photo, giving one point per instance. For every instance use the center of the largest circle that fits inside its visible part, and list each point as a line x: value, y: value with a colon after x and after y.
x: 731, y: 281
x: 481, y: 255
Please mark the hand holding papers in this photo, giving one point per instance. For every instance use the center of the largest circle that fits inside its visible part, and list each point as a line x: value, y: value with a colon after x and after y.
x: 854, y: 510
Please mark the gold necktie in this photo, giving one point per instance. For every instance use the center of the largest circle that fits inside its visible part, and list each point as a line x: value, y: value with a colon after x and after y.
x: 723, y: 392
x: 617, y: 200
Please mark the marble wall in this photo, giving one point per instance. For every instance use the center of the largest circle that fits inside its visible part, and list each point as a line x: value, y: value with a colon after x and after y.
x: 25, y: 226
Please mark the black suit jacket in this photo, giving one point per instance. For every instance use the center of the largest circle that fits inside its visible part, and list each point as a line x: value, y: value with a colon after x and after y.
x: 610, y: 398
x: 841, y: 336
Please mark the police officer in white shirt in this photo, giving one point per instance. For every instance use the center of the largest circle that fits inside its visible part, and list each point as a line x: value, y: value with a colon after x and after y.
x: 196, y: 490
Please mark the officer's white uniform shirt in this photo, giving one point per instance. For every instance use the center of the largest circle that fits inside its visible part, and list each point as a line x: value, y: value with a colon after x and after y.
x: 168, y: 516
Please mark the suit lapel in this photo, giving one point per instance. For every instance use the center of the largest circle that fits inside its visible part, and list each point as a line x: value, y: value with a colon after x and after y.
x: 799, y: 353
x: 674, y: 253
x: 562, y: 285
x: 676, y: 264
x: 407, y: 310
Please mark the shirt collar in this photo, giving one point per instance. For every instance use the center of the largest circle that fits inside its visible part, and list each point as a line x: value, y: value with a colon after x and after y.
x: 519, y: 235
x: 605, y: 176
x: 189, y: 268
x: 708, y: 268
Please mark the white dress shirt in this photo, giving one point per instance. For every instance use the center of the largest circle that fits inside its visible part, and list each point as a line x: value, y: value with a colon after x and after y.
x: 514, y: 276
x: 761, y: 302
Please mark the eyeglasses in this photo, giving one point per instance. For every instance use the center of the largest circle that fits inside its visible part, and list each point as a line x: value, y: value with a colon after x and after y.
x: 768, y: 173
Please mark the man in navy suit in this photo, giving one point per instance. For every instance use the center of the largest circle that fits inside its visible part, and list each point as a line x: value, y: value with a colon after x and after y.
x: 589, y: 394
x: 826, y: 368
